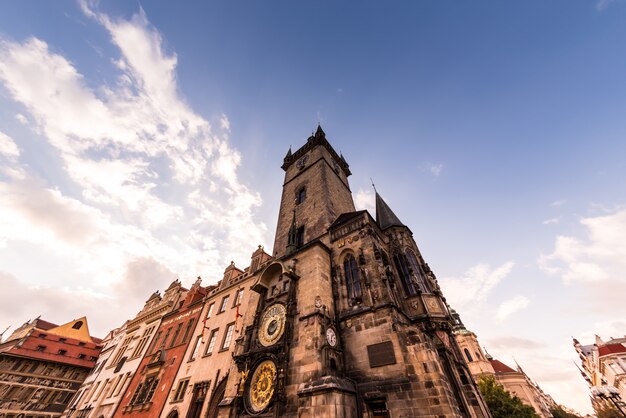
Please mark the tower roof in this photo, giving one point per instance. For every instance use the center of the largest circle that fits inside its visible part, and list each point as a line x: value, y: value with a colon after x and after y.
x: 318, y: 138
x: 384, y: 215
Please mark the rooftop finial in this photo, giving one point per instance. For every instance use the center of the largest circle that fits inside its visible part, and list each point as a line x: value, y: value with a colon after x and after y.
x: 373, y: 185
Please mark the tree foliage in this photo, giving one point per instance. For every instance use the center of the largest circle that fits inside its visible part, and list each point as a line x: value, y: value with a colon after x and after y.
x: 559, y: 412
x: 500, y: 402
x: 608, y: 411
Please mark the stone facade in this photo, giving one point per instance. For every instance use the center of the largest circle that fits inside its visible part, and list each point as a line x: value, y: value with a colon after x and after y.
x: 42, y: 365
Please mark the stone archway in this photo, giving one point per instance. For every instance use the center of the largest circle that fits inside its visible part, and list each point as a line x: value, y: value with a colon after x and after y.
x: 216, y: 398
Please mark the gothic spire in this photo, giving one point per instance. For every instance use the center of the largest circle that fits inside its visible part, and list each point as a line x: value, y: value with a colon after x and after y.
x: 293, y: 235
x: 384, y: 215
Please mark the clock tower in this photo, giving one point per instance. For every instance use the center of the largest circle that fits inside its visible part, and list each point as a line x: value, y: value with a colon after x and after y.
x: 346, y: 319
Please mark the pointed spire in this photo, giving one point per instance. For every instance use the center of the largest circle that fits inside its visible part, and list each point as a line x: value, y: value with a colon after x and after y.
x: 384, y: 215
x: 293, y: 235
x: 320, y: 131
x: 288, y: 156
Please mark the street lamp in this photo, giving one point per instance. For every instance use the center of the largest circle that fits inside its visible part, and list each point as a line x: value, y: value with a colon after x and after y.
x: 608, y: 392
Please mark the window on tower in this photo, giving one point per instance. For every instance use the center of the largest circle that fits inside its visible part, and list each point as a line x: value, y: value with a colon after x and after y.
x: 416, y: 271
x: 300, y: 195
x: 300, y: 237
x: 405, y: 276
x: 353, y: 278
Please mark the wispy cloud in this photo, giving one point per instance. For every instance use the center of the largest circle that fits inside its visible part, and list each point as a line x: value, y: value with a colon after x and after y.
x: 467, y: 292
x: 551, y: 221
x: 558, y: 203
x: 364, y: 199
x: 147, y: 177
x: 602, y: 5
x: 434, y: 169
x: 509, y: 307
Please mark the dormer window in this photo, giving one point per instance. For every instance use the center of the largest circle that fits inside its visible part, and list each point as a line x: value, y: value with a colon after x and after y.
x: 301, y: 195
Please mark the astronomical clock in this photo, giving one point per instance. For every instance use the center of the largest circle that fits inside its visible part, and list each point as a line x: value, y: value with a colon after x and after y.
x: 264, y: 359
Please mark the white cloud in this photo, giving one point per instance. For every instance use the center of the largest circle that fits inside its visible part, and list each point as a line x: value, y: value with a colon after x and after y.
x: 145, y: 176
x: 21, y: 118
x: 551, y: 221
x: 8, y: 148
x: 600, y: 256
x: 509, y: 307
x: 558, y: 203
x: 364, y: 199
x: 466, y: 293
x: 602, y: 5
x: 434, y: 169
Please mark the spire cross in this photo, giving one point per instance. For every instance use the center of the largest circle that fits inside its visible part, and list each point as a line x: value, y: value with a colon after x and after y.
x: 373, y: 185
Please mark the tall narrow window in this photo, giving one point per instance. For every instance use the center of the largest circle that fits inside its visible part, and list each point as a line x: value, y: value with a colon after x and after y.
x: 468, y: 355
x: 300, y: 237
x: 300, y: 195
x: 228, y: 336
x: 142, y: 342
x: 188, y: 329
x: 176, y: 333
x: 192, y: 356
x: 211, y: 344
x: 417, y: 271
x: 210, y: 310
x: 405, y: 276
x: 353, y: 278
x: 224, y: 304
x: 238, y: 297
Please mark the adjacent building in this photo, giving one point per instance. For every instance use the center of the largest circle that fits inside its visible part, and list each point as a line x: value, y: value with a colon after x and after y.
x: 42, y: 365
x: 603, y: 366
x: 123, y: 351
x: 514, y: 381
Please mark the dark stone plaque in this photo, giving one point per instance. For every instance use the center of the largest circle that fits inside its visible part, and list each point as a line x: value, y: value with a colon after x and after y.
x: 381, y: 354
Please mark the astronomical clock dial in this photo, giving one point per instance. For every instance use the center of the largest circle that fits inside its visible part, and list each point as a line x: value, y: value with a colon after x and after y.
x: 272, y: 324
x: 262, y: 386
x: 331, y: 337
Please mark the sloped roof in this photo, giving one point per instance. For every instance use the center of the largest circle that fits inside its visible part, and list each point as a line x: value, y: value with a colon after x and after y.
x: 345, y: 217
x: 500, y: 367
x: 605, y: 350
x: 384, y: 215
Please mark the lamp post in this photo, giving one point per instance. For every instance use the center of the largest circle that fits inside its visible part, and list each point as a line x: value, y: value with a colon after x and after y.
x: 608, y: 392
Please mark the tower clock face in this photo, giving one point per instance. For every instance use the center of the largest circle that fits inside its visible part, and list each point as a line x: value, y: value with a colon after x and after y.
x: 302, y: 162
x: 331, y: 337
x: 272, y: 324
x: 262, y: 386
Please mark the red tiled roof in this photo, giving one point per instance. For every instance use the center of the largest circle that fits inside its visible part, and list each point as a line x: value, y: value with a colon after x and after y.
x: 500, y: 367
x: 608, y: 349
x: 45, y: 325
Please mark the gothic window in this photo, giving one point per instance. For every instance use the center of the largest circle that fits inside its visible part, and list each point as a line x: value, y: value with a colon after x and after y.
x: 353, y: 279
x: 300, y: 237
x: 300, y: 195
x: 468, y: 355
x: 417, y: 271
x: 405, y: 276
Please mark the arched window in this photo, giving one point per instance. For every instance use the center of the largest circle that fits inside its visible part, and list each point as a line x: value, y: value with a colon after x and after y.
x: 405, y: 276
x: 353, y: 279
x: 417, y: 271
x: 468, y: 355
x: 77, y: 324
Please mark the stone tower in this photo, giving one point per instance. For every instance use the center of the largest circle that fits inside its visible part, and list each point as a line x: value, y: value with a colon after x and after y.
x: 347, y: 320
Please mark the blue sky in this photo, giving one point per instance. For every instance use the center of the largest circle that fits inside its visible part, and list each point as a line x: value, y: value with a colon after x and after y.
x: 142, y: 141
